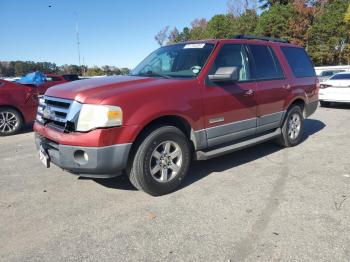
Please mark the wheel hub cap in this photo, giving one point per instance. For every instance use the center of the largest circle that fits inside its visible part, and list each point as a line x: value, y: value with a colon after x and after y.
x: 294, y: 126
x: 166, y: 161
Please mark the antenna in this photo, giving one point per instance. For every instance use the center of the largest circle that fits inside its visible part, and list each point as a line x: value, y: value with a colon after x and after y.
x: 77, y: 34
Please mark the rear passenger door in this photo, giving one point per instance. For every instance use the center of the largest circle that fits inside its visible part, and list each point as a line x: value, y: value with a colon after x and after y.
x: 272, y: 87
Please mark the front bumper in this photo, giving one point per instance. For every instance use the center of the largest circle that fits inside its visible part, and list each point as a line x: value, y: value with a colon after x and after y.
x: 94, y: 162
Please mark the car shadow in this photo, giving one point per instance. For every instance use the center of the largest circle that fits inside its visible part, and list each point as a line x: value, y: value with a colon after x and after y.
x: 118, y: 182
x: 201, y: 169
x: 28, y: 128
x: 338, y: 106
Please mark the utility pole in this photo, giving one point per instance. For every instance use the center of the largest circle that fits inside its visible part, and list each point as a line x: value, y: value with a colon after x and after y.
x: 77, y: 35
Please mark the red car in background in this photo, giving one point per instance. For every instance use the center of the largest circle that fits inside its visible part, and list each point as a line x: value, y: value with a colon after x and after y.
x: 18, y: 106
x: 51, y: 80
x: 42, y: 82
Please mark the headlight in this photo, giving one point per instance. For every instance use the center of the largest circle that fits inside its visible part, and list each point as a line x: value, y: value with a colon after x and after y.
x: 97, y: 116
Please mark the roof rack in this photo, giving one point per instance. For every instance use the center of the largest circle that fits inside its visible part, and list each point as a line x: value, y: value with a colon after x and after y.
x: 263, y: 38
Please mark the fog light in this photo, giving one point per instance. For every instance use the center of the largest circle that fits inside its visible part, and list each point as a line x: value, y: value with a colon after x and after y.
x: 81, y: 157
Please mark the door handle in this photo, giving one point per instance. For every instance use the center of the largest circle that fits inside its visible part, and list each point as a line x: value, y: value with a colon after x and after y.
x: 249, y: 92
x: 287, y: 87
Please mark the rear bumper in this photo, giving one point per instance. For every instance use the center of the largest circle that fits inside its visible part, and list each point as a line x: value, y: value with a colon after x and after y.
x: 94, y: 162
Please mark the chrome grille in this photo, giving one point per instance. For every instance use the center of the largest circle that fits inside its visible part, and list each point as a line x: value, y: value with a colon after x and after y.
x: 58, y: 113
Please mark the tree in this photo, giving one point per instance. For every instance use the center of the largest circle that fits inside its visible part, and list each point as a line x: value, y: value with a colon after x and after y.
x: 274, y: 22
x: 246, y: 23
x: 329, y: 36
x: 265, y: 4
x: 162, y: 36
x: 238, y: 7
x: 124, y: 71
x: 173, y: 36
x: 220, y: 26
x: 198, y: 29
x: 347, y: 16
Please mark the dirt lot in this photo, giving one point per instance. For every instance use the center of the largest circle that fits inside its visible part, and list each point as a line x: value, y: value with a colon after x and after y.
x: 261, y: 204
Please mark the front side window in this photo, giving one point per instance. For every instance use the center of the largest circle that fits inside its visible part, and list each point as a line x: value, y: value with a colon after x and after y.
x: 181, y: 60
x: 266, y: 64
x: 299, y: 62
x: 233, y: 55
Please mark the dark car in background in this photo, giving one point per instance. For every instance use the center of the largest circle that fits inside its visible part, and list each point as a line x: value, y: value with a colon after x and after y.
x: 18, y: 106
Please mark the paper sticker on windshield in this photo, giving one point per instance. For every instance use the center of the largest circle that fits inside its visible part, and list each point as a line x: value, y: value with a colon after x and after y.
x: 188, y: 46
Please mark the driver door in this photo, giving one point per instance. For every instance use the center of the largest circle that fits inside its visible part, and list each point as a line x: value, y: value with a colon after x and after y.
x: 230, y: 107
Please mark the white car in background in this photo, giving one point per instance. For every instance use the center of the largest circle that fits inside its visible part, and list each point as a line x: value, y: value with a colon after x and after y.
x: 335, y: 90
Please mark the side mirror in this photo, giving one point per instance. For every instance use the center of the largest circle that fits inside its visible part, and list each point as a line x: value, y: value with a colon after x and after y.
x: 225, y: 74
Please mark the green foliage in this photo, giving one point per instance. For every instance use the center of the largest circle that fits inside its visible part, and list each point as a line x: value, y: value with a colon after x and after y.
x: 329, y: 36
x: 347, y: 16
x: 269, y: 3
x: 246, y: 23
x: 275, y: 21
x: 19, y: 68
x: 321, y: 26
x: 220, y: 26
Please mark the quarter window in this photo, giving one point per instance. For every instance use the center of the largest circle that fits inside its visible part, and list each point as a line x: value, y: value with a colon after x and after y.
x: 299, y: 62
x: 233, y: 55
x: 266, y: 64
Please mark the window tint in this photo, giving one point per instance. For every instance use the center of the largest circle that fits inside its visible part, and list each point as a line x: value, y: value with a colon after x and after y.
x: 266, y: 64
x: 299, y: 62
x: 180, y: 60
x: 341, y: 76
x: 233, y: 55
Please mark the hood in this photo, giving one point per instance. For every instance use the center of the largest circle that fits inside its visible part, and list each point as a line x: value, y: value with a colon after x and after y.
x: 97, y: 89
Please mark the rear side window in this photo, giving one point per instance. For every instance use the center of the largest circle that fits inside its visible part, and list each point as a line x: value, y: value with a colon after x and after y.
x: 266, y: 64
x: 299, y: 62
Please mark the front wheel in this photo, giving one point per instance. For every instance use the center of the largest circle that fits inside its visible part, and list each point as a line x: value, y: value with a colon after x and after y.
x: 11, y: 121
x: 292, y: 128
x: 161, y: 161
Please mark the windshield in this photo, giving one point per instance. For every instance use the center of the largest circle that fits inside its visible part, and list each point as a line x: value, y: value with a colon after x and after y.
x: 181, y: 60
x: 340, y: 77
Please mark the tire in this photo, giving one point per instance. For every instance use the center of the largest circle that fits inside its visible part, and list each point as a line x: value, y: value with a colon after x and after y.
x: 324, y: 104
x: 167, y: 149
x: 292, y: 128
x: 11, y: 121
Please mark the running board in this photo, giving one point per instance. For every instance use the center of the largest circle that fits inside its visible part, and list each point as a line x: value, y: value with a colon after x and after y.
x: 201, y: 155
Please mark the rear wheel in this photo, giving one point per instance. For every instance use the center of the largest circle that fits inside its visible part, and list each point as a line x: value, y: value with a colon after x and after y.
x: 11, y: 121
x: 161, y: 161
x: 292, y: 128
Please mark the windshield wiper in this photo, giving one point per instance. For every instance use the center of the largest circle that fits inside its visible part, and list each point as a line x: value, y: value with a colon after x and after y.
x: 152, y: 73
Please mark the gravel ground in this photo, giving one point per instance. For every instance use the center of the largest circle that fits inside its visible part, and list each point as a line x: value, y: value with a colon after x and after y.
x: 261, y: 204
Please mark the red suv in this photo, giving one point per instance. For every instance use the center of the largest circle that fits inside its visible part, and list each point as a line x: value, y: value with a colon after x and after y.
x: 18, y: 105
x: 195, y: 100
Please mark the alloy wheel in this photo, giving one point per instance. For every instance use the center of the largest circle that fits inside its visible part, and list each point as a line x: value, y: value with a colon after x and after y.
x: 8, y: 122
x: 166, y: 161
x: 294, y: 126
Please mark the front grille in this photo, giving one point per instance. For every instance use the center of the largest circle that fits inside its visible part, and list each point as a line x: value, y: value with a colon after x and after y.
x: 58, y: 113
